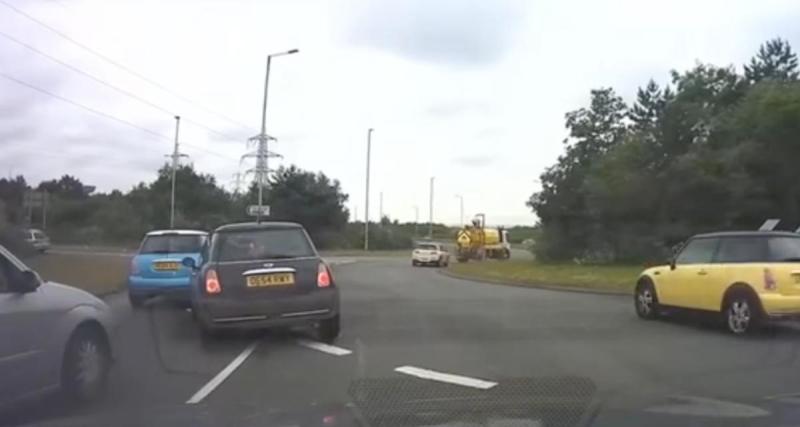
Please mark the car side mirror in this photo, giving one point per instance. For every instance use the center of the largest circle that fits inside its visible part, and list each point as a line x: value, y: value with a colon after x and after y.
x: 28, y: 282
x: 188, y: 262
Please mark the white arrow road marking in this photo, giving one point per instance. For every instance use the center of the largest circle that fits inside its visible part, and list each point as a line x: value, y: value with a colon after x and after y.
x: 222, y: 375
x: 325, y: 348
x: 705, y: 407
x: 446, y: 378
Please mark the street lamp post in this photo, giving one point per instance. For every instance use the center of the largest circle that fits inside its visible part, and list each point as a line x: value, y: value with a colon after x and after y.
x: 416, y: 219
x: 430, y: 212
x: 461, y: 207
x: 262, y: 169
x: 366, y: 202
x: 175, y: 157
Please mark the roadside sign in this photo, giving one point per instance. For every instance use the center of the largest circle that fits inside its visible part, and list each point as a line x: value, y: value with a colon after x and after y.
x: 253, y: 210
x: 34, y: 199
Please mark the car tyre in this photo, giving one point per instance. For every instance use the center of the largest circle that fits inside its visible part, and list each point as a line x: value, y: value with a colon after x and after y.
x: 646, y: 301
x: 85, y: 366
x: 742, y: 314
x: 136, y: 301
x: 414, y: 263
x: 328, y: 329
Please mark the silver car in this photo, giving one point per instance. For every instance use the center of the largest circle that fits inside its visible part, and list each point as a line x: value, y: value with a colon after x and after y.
x: 52, y: 337
x: 37, y: 239
x: 260, y: 275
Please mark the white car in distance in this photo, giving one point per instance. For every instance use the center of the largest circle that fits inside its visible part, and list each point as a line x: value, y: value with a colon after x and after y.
x: 430, y: 253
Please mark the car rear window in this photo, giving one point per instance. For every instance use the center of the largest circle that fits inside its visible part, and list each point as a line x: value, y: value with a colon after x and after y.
x: 784, y: 249
x: 250, y: 245
x: 427, y: 247
x: 172, y: 243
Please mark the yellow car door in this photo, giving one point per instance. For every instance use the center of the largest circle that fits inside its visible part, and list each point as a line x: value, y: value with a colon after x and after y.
x: 739, y: 259
x: 690, y: 269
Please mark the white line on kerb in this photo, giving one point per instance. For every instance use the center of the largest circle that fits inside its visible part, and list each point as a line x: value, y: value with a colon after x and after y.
x: 325, y: 348
x: 447, y: 378
x: 222, y: 375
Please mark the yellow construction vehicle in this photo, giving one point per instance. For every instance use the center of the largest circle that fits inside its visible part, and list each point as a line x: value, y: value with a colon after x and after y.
x: 475, y: 241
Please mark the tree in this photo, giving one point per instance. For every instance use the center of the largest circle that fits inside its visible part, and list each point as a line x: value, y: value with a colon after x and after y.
x: 199, y: 202
x: 649, y: 107
x: 311, y: 199
x: 774, y: 61
x: 561, y: 204
x: 12, y: 192
x: 68, y: 187
x: 717, y: 152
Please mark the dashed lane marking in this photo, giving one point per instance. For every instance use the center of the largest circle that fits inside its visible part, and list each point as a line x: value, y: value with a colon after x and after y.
x: 222, y: 375
x: 446, y: 378
x: 325, y: 348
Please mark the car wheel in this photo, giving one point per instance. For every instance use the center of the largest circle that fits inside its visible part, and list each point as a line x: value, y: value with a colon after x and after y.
x: 646, y: 301
x: 741, y: 314
x: 85, y: 366
x: 414, y: 263
x: 328, y: 329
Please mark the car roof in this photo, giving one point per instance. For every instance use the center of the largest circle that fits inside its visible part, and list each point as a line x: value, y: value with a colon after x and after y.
x: 748, y: 234
x: 264, y: 225
x: 178, y: 232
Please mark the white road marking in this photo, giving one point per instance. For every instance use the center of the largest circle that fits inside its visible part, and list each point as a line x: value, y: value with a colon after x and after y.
x: 325, y: 348
x: 705, y: 407
x: 222, y: 375
x: 793, y: 398
x: 447, y: 378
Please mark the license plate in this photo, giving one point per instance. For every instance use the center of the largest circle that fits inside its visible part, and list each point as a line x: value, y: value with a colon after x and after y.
x: 166, y: 266
x: 275, y: 279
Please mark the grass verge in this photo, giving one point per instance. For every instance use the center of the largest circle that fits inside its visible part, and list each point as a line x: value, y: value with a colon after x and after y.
x: 600, y: 278
x: 97, y: 274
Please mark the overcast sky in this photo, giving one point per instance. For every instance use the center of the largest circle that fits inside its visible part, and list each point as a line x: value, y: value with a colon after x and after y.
x: 471, y: 92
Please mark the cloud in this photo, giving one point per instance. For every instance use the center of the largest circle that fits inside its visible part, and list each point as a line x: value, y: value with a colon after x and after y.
x: 461, y: 32
x: 474, y: 161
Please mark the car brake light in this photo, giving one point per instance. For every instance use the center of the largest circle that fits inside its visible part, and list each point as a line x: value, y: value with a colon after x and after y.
x: 212, y: 282
x: 323, y: 276
x: 770, y: 283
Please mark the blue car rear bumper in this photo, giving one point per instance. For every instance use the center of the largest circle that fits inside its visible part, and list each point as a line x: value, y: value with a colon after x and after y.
x: 173, y: 287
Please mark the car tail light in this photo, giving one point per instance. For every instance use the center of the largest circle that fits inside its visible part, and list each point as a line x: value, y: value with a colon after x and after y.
x: 770, y: 283
x: 212, y: 282
x: 134, y: 267
x: 323, y: 276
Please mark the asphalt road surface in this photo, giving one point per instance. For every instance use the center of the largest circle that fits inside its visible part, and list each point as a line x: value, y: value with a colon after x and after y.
x: 420, y: 348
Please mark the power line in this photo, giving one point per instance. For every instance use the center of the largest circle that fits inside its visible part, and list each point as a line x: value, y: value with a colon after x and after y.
x: 108, y: 116
x: 121, y: 66
x: 105, y: 83
x: 79, y: 105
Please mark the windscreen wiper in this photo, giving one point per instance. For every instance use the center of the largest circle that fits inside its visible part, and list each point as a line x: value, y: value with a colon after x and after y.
x: 791, y: 259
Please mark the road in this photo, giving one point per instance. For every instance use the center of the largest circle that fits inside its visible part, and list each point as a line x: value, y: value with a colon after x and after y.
x: 519, y: 355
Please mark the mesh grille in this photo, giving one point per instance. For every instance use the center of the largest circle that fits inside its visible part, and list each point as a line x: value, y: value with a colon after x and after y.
x: 547, y: 401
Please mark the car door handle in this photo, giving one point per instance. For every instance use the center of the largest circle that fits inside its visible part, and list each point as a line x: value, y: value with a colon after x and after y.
x: 702, y: 273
